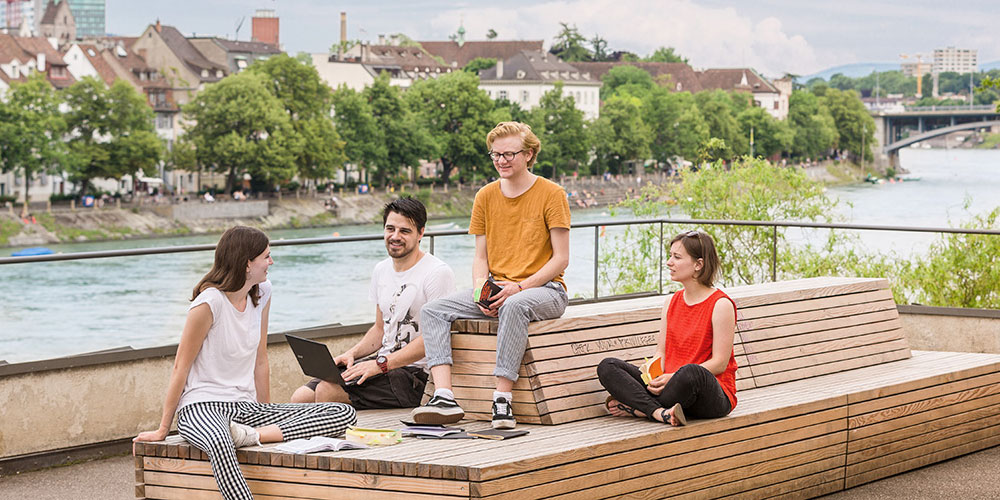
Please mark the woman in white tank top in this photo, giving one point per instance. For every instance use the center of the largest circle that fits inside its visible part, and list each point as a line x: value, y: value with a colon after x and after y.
x: 219, y: 387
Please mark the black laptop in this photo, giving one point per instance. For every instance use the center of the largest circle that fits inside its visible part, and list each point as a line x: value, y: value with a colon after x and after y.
x: 315, y: 360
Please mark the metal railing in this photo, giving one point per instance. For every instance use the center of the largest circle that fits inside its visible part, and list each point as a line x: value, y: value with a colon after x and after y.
x: 953, y: 107
x: 597, y: 225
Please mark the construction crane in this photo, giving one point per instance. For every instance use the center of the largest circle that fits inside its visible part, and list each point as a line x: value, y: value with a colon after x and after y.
x: 918, y: 71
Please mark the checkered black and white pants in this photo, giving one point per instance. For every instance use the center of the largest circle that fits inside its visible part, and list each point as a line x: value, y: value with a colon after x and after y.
x: 206, y: 426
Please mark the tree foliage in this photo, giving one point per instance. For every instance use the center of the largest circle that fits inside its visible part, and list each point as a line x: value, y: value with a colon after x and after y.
x: 319, y: 152
x: 31, y: 130
x: 678, y: 127
x: 403, y: 142
x: 855, y: 126
x: 666, y: 55
x: 626, y: 79
x: 239, y: 127
x: 478, y: 64
x: 813, y: 129
x: 457, y: 115
x: 619, y: 135
x: 560, y: 127
x: 569, y: 45
x: 112, y: 132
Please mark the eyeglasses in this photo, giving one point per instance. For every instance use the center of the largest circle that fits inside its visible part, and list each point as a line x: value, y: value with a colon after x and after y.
x: 507, y: 156
x: 693, y: 234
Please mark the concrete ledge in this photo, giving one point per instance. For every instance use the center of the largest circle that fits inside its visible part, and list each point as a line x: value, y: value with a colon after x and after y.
x: 951, y: 329
x: 221, y: 210
x: 111, y: 396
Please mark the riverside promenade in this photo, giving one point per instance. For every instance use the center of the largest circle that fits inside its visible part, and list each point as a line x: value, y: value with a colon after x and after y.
x: 969, y: 477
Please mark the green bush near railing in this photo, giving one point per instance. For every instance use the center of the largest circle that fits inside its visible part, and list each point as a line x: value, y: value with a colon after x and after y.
x: 958, y: 270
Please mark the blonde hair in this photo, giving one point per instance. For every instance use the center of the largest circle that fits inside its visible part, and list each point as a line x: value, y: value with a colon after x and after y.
x: 529, y: 140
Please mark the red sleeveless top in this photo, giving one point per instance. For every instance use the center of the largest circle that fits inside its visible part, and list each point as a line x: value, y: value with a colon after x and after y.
x: 689, y: 338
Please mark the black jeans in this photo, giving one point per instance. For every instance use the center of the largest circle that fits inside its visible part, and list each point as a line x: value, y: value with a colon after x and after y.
x: 693, y: 386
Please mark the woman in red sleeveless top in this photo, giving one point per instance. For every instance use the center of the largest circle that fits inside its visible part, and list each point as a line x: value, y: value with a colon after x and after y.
x: 695, y: 346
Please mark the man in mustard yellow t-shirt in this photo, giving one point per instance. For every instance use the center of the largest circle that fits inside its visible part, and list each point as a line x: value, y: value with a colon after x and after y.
x: 521, y: 223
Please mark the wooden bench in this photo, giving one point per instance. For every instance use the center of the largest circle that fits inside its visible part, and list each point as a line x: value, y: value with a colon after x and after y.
x: 785, y: 331
x: 829, y: 401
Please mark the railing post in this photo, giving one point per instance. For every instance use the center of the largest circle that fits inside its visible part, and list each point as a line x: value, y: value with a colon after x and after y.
x: 432, y: 244
x: 774, y: 253
x: 661, y: 258
x: 597, y: 236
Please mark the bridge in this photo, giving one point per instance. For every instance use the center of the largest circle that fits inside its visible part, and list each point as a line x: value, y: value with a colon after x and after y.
x: 897, y: 130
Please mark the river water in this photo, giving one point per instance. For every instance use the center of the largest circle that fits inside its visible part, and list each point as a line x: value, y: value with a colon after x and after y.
x: 64, y: 308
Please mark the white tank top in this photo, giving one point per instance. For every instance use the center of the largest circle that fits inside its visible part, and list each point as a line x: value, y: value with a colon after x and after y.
x: 223, y: 368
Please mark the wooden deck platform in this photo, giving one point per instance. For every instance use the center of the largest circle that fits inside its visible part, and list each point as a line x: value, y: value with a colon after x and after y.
x: 797, y: 439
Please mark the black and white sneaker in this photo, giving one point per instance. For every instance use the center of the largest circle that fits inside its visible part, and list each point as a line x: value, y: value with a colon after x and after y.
x: 438, y: 410
x: 503, y: 416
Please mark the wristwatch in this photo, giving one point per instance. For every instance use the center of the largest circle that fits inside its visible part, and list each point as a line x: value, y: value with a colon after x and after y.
x: 383, y: 363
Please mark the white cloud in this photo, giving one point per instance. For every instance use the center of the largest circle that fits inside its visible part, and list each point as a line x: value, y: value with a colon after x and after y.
x: 708, y: 36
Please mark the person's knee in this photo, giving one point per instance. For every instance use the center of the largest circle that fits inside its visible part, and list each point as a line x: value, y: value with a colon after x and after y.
x: 328, y: 392
x: 303, y: 395
x: 691, y: 373
x: 606, y: 368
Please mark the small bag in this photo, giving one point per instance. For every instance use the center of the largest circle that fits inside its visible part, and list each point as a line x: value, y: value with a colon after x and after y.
x: 373, y: 437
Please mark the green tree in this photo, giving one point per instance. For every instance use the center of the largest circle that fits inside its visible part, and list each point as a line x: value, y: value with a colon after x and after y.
x: 855, y: 127
x: 716, y: 107
x: 750, y: 189
x: 569, y: 45
x: 403, y: 141
x: 626, y: 79
x: 304, y: 58
x: 559, y: 126
x: 960, y: 270
x: 619, y: 135
x: 677, y: 125
x: 478, y: 64
x: 599, y: 48
x: 356, y: 125
x: 307, y: 101
x: 31, y: 130
x: 457, y: 115
x: 666, y: 55
x: 239, y: 127
x: 770, y: 135
x: 813, y: 129
x: 112, y: 132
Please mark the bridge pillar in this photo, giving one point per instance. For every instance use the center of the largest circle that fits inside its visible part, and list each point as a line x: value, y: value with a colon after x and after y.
x: 882, y: 136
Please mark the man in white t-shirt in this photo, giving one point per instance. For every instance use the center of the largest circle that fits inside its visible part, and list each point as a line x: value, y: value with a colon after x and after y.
x: 396, y: 374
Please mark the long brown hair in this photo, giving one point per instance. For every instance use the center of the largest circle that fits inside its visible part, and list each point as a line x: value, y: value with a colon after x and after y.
x: 237, y: 246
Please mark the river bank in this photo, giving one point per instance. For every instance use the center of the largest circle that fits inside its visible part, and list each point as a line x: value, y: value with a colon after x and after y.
x: 62, y: 225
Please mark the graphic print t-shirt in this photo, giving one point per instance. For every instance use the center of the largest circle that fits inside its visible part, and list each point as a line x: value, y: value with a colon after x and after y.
x: 401, y: 295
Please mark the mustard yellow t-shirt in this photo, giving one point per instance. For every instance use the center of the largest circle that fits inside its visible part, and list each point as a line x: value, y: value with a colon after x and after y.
x: 517, y: 229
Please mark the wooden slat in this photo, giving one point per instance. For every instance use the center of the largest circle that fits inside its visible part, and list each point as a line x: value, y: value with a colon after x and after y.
x: 986, y: 439
x: 342, y: 480
x: 745, y: 446
x: 894, y: 352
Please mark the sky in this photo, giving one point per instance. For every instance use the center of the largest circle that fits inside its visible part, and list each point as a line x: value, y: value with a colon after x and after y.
x: 773, y: 36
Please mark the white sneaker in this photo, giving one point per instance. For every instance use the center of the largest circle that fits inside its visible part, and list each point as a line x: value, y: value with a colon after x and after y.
x: 243, y: 435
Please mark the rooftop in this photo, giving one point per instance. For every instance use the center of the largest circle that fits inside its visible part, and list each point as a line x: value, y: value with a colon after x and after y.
x: 457, y: 56
x: 538, y: 66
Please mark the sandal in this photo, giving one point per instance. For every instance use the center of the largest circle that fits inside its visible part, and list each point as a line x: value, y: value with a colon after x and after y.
x: 621, y: 406
x: 678, y: 412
